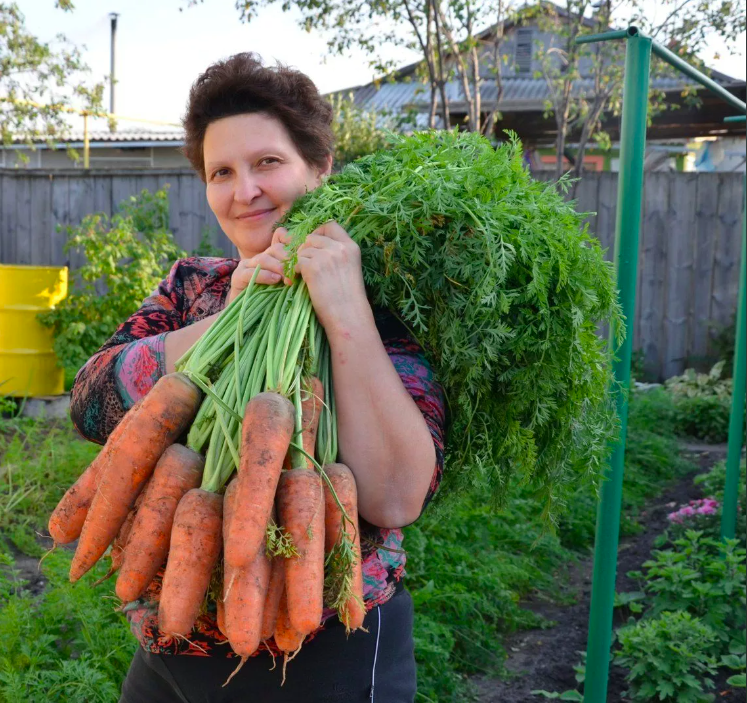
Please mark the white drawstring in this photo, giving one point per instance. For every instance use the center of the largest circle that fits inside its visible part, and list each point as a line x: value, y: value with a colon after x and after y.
x: 376, y: 653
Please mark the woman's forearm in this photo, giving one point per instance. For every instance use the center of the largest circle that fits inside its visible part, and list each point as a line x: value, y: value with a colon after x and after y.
x: 383, y: 436
x: 179, y: 341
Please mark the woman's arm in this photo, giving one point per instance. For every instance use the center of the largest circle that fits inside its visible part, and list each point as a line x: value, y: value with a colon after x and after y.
x: 383, y: 434
x: 178, y: 342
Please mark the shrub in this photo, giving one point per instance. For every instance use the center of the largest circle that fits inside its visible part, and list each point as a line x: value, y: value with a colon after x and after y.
x: 705, y: 418
x: 703, y: 577
x: 669, y: 658
x: 127, y: 255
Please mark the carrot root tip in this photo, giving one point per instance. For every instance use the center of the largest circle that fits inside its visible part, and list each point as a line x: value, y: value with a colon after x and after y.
x: 235, y: 671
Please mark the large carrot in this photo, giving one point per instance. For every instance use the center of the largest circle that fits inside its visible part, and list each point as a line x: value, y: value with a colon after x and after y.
x: 244, y: 590
x: 343, y: 482
x: 286, y: 637
x: 116, y: 554
x: 164, y: 414
x: 68, y: 517
x: 311, y: 410
x: 300, y: 502
x: 196, y: 540
x: 272, y: 601
x: 266, y: 433
x: 178, y: 470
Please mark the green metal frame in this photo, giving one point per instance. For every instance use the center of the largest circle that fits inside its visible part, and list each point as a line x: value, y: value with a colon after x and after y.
x: 627, y: 233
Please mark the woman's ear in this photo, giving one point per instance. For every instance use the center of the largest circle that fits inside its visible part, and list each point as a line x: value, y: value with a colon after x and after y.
x: 328, y: 169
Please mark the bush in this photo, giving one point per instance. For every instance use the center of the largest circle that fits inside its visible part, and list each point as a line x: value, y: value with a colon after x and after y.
x: 127, y: 255
x: 669, y: 658
x: 705, y: 418
x: 703, y: 577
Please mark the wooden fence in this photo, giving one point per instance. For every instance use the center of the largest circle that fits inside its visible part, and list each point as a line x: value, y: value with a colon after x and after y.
x: 689, y: 251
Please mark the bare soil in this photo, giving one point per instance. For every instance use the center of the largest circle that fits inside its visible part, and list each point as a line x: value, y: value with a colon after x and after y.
x: 544, y: 659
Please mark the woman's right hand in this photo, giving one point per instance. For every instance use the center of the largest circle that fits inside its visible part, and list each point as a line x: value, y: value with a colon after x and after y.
x: 270, y: 261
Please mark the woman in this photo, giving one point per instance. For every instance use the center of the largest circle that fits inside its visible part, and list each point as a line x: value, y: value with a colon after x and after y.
x: 260, y: 138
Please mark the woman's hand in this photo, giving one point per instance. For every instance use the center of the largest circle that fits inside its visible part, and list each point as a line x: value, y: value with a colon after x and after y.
x: 270, y: 262
x: 330, y: 263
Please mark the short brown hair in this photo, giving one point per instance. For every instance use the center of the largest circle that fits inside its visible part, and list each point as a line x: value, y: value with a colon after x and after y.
x: 242, y: 85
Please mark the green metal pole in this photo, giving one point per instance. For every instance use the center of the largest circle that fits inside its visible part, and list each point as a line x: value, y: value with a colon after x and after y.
x: 627, y: 231
x: 736, y: 419
x: 674, y: 60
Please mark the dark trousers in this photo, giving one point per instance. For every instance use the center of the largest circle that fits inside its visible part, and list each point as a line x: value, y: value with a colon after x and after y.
x: 377, y: 666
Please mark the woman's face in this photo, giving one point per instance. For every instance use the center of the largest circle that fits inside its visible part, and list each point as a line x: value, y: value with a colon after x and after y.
x: 254, y: 173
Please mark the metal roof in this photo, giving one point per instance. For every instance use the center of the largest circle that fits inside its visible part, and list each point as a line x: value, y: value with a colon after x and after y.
x: 120, y: 138
x: 519, y: 94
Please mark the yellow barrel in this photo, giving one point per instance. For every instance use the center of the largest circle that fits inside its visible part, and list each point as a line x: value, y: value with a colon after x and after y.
x: 28, y: 366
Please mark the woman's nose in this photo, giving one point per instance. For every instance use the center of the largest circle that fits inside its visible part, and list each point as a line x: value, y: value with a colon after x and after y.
x: 247, y: 188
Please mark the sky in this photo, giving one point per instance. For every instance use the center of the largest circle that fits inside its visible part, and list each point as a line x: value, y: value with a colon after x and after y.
x: 163, y: 45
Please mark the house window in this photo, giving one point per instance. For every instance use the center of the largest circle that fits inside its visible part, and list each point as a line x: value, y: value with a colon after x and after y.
x: 523, y: 52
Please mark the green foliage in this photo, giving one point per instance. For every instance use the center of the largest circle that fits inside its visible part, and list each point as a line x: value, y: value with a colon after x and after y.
x: 503, y: 285
x: 126, y: 257
x: 357, y: 132
x: 692, y: 384
x: 669, y: 658
x: 703, y: 418
x: 466, y: 576
x: 714, y: 480
x: 39, y: 462
x: 703, y: 577
x: 49, y: 74
x: 206, y: 246
x: 68, y: 645
x: 702, y: 403
x: 736, y: 662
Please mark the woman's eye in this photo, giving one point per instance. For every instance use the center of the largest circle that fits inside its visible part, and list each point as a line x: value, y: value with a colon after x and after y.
x: 220, y: 172
x: 269, y: 160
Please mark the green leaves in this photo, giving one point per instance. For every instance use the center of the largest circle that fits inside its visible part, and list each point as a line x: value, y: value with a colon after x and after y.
x: 498, y: 279
x: 126, y: 255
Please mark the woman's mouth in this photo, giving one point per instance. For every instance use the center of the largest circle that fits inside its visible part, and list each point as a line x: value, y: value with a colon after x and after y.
x: 255, y: 215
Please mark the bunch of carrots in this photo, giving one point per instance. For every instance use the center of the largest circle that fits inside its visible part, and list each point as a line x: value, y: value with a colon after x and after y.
x: 253, y: 499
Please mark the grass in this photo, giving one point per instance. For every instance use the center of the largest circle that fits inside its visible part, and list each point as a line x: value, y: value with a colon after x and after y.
x: 467, y: 576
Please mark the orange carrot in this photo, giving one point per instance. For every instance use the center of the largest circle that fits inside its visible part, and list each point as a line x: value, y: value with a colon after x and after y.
x: 116, y: 554
x: 164, y: 414
x: 195, y: 548
x: 287, y: 639
x: 300, y: 503
x: 178, y: 470
x: 272, y: 601
x: 68, y: 517
x: 265, y: 436
x: 343, y: 482
x: 311, y: 409
x: 244, y: 590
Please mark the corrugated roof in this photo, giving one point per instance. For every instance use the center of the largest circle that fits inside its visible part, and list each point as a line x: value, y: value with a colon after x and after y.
x: 519, y: 94
x: 173, y: 135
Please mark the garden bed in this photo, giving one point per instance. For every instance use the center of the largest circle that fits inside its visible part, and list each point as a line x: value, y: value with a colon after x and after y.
x: 544, y: 659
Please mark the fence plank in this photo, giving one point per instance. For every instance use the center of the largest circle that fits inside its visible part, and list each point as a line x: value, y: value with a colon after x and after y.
x: 651, y: 306
x: 40, y: 221
x: 60, y: 219
x: 24, y: 245
x: 726, y: 260
x: 704, y: 250
x: 680, y: 215
x: 8, y: 195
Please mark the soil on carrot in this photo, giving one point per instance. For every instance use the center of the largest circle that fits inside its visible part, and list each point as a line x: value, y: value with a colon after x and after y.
x: 544, y: 659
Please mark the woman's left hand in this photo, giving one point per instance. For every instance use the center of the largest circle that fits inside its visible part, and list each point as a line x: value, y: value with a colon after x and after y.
x: 330, y: 263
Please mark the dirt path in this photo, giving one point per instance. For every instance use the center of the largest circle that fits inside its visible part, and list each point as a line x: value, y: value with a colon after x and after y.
x: 544, y: 659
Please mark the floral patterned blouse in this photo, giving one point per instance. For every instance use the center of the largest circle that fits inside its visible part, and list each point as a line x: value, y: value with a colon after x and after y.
x: 130, y: 363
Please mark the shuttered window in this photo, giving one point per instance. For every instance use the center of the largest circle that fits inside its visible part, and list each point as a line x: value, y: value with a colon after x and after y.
x: 523, y: 52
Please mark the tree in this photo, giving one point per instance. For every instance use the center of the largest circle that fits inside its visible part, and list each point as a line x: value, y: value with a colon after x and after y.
x: 684, y: 26
x: 39, y: 80
x: 445, y: 33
